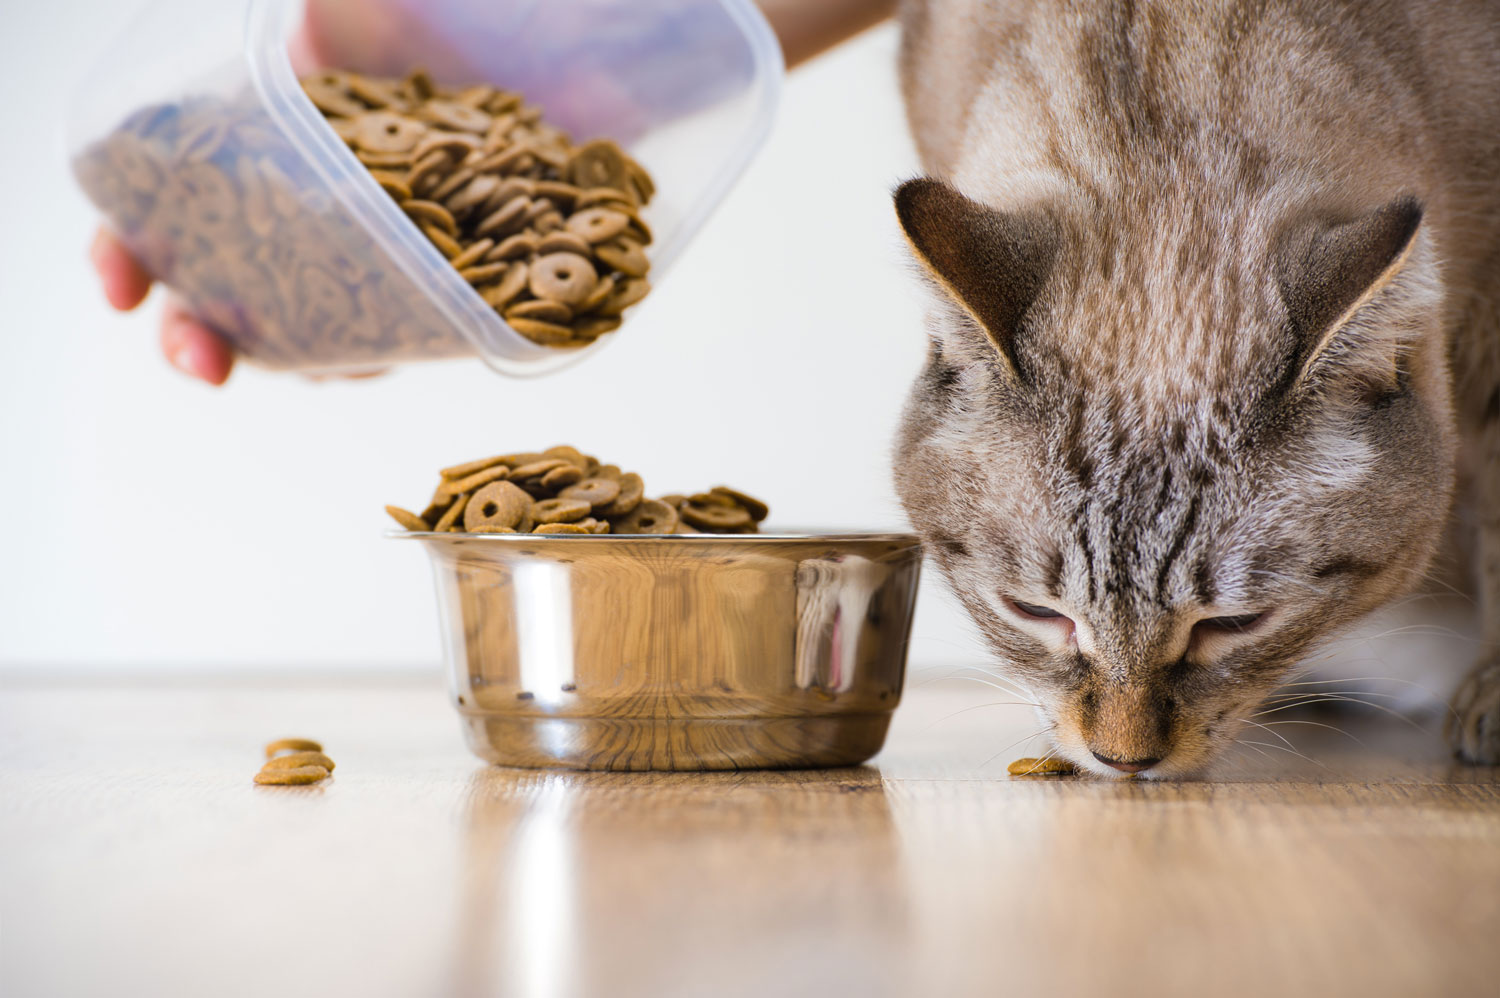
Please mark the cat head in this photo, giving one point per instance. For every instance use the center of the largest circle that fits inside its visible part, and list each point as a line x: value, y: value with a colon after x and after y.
x: 1158, y: 467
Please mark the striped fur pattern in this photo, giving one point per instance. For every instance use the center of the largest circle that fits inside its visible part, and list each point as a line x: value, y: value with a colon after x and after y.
x: 1201, y: 406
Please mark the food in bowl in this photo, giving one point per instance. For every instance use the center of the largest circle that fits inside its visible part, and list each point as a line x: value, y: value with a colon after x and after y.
x: 561, y: 490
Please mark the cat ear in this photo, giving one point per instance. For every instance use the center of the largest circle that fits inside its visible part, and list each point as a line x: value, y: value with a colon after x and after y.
x: 992, y: 263
x: 1327, y: 273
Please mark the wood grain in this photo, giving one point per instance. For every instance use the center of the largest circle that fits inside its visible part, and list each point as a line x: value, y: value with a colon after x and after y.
x: 139, y: 859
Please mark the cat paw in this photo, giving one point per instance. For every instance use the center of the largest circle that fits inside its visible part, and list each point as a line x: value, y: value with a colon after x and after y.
x: 1473, y: 726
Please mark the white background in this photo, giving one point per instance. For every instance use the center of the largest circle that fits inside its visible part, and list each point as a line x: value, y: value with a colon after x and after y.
x: 150, y: 521
x: 147, y: 520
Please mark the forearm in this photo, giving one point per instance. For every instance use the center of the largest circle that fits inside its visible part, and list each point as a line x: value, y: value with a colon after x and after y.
x: 809, y: 27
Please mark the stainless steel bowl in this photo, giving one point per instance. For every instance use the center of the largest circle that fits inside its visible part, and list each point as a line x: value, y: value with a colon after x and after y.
x: 675, y: 652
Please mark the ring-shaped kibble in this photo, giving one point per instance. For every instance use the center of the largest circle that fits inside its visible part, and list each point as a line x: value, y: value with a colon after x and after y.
x: 561, y: 478
x: 714, y: 517
x: 602, y: 195
x: 387, y: 161
x: 332, y: 100
x: 649, y: 517
x: 292, y: 745
x: 429, y: 165
x: 392, y: 184
x: 597, y: 492
x: 758, y: 510
x: 295, y: 759
x: 626, y: 294
x: 560, y: 510
x: 459, y: 117
x: 484, y: 273
x: 563, y: 277
x: 445, y: 243
x: 386, y: 131
x: 570, y: 454
x: 632, y: 491
x: 624, y: 255
x: 537, y: 468
x: 376, y: 93
x: 541, y: 310
x: 472, y: 254
x: 408, y: 519
x: 468, y: 468
x: 592, y: 327
x: 599, y: 163
x: 522, y: 244
x: 595, y: 225
x: 558, y: 192
x: 562, y: 242
x: 431, y: 211
x: 456, y: 146
x: 499, y: 294
x: 300, y: 776
x: 477, y: 479
x: 503, y: 218
x: 499, y: 504
x: 562, y: 528
x: 444, y: 188
x: 449, y: 520
x: 473, y: 194
x: 602, y: 290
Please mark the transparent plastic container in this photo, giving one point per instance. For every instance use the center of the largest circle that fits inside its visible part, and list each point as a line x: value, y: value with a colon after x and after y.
x: 194, y: 138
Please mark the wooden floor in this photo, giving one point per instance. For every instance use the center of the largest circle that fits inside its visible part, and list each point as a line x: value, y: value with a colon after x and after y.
x: 136, y: 858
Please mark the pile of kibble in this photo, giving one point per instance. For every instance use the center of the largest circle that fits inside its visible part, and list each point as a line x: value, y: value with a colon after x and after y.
x: 564, y: 491
x: 547, y: 232
x: 294, y: 762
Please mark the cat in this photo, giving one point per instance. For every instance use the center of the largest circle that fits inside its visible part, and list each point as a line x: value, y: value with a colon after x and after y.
x: 1215, y: 343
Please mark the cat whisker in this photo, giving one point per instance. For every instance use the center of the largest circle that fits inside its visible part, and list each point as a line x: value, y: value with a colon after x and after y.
x: 983, y: 682
x: 1330, y: 698
x: 1315, y: 724
x: 1026, y: 738
x: 977, y: 706
x: 1372, y: 693
x: 1279, y: 748
x: 1251, y: 746
x: 1246, y: 720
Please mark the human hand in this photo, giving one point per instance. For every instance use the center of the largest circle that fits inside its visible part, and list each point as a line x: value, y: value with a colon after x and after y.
x: 187, y: 343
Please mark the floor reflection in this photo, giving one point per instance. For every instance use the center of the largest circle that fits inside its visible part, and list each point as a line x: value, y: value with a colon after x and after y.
x: 576, y: 883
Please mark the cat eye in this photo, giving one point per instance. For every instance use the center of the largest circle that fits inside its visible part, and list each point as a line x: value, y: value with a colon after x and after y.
x: 1032, y: 610
x: 1233, y: 624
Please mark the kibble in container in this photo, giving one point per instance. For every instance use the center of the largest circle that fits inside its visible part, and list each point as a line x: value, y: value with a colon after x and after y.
x: 195, y: 139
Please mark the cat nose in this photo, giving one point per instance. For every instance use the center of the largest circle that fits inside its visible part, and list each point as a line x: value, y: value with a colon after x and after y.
x: 1133, y: 766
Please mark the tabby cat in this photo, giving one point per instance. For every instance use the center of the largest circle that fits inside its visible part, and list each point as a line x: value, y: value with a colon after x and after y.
x: 1215, y: 343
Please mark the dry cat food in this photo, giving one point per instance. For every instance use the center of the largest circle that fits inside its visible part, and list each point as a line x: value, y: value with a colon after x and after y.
x: 214, y: 200
x: 1051, y: 766
x: 293, y: 762
x: 564, y: 491
x: 549, y: 233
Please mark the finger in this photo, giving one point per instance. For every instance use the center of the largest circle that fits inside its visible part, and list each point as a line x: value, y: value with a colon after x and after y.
x: 125, y: 281
x: 193, y: 348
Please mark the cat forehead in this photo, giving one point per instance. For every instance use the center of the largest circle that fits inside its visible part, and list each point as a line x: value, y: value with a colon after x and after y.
x: 1180, y: 308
